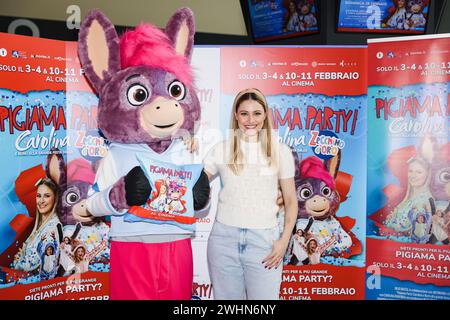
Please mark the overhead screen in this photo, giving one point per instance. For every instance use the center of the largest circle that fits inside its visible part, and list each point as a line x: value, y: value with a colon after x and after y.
x: 279, y: 19
x: 383, y: 16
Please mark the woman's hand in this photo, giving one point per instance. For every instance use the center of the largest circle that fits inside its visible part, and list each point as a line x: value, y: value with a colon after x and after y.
x: 280, y: 199
x: 275, y: 258
x: 43, y: 237
x: 287, y: 193
x: 191, y: 144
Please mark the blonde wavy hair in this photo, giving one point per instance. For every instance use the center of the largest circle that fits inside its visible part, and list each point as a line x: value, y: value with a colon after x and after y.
x: 267, y: 143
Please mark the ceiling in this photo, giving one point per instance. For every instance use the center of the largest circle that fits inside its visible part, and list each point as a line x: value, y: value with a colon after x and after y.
x: 212, y: 16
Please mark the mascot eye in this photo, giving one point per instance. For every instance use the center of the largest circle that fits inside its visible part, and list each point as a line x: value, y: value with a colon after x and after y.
x: 326, y: 191
x: 72, y: 198
x: 305, y: 193
x: 177, y: 90
x: 137, y: 94
x: 444, y: 176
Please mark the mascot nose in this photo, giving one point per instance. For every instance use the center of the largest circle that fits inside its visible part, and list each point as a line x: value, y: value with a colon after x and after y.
x: 319, y: 199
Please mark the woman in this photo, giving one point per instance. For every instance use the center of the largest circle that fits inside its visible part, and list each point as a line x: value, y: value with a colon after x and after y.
x: 299, y: 254
x: 82, y: 258
x: 438, y: 228
x: 315, y: 251
x: 66, y: 264
x: 292, y: 21
x: 417, y: 195
x: 245, y: 249
x: 46, y: 221
x: 160, y: 201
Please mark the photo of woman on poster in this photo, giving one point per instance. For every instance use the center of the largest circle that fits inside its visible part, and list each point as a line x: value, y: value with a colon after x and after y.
x: 245, y: 250
x: 299, y: 254
x: 82, y: 257
x: 296, y: 253
x: 46, y: 221
x: 417, y: 195
x: 440, y: 224
x: 161, y: 197
x: 66, y: 263
x: 315, y: 251
x: 438, y: 227
x: 291, y: 18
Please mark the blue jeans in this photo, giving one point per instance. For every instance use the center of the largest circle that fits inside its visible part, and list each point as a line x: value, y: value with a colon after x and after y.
x: 235, y: 263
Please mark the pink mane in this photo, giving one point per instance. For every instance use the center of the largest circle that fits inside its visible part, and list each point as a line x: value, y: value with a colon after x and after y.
x: 149, y: 46
x: 312, y: 167
x: 80, y: 170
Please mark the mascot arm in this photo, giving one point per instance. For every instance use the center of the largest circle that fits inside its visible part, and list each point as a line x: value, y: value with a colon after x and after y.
x: 137, y: 187
x: 201, y: 192
x: 99, y: 196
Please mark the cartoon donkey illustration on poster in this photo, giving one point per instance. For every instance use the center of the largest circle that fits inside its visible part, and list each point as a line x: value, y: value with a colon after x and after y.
x: 319, y: 197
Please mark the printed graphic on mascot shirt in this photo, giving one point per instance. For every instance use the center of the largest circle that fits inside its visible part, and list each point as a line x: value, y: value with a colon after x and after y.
x: 169, y: 196
x: 171, y: 200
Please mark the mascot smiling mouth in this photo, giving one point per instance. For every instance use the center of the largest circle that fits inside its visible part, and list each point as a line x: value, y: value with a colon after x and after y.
x: 318, y: 213
x: 165, y: 126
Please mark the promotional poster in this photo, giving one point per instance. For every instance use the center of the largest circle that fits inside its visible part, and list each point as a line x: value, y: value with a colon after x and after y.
x: 49, y: 131
x: 408, y: 251
x: 277, y: 19
x: 385, y: 16
x: 206, y: 65
x: 317, y: 97
x: 48, y: 250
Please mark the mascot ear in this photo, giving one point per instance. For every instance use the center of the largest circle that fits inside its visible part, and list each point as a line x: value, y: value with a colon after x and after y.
x: 181, y: 29
x: 56, y: 167
x: 332, y: 165
x: 98, y: 48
